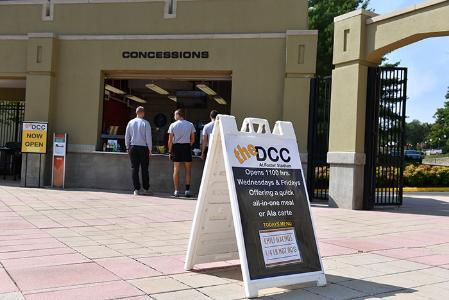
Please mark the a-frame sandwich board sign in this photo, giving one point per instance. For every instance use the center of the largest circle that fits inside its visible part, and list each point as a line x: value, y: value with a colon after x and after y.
x: 253, y: 206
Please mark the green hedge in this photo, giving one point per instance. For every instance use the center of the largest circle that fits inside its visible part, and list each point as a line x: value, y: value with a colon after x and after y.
x: 414, y: 176
x: 426, y: 176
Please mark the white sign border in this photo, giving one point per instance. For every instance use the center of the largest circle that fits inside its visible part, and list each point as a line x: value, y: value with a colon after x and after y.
x: 226, y: 126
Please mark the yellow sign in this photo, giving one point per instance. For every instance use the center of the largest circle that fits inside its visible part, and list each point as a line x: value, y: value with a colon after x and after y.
x: 34, y: 137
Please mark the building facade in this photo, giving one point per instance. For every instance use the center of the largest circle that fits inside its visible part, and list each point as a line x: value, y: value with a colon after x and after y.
x: 77, y: 64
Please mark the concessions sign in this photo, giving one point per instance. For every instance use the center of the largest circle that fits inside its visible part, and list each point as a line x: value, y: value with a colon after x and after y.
x: 34, y: 137
x: 253, y: 205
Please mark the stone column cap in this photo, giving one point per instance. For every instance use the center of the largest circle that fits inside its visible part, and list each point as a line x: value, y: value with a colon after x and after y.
x: 355, y: 13
x: 346, y: 158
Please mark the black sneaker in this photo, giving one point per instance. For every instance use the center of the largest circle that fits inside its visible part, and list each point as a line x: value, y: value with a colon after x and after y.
x: 187, y: 194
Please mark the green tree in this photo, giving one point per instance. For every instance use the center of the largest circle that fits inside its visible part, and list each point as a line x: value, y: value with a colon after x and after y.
x: 321, y: 17
x: 416, y: 133
x: 439, y: 133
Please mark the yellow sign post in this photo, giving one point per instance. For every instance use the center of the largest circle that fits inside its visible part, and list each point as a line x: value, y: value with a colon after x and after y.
x: 34, y: 137
x: 34, y: 140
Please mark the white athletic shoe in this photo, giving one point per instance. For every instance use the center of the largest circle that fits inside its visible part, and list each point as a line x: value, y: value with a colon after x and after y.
x: 187, y: 194
x: 176, y: 194
x: 136, y: 192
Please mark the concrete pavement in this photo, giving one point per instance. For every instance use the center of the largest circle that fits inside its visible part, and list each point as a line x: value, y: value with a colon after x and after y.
x: 109, y: 245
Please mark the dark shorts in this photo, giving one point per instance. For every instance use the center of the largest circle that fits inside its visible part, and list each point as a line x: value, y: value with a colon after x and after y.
x: 181, y: 153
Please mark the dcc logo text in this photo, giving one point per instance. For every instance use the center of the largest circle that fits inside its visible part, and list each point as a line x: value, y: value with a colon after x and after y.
x: 262, y: 154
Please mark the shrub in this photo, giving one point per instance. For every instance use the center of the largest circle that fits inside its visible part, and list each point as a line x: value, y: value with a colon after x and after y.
x: 426, y: 176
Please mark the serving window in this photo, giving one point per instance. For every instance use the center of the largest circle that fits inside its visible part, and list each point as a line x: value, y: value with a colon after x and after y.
x: 160, y: 98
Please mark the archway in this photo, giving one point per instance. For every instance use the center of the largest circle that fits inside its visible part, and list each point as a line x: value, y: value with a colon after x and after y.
x: 361, y: 39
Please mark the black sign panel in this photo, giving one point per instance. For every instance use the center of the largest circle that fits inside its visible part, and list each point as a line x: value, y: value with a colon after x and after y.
x: 276, y: 222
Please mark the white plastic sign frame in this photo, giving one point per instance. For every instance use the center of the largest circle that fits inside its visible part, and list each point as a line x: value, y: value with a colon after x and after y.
x: 217, y: 233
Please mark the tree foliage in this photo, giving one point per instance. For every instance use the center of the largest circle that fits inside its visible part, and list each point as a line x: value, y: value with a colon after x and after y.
x: 321, y: 17
x: 416, y: 133
x: 439, y: 133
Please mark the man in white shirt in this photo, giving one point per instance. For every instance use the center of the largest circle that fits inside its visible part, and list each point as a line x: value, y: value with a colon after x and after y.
x: 180, y: 141
x: 139, y: 144
x: 207, y: 131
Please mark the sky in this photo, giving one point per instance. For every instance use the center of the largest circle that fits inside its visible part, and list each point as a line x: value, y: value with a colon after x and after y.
x: 428, y: 67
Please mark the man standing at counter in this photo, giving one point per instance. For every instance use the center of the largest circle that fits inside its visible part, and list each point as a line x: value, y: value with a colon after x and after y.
x: 138, y: 144
x: 180, y: 141
x: 207, y: 131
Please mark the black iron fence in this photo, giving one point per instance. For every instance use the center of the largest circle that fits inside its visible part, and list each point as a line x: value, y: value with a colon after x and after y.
x: 318, y: 140
x: 384, y: 136
x: 11, y: 118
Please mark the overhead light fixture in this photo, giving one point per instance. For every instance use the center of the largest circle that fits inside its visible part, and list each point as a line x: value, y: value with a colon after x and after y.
x: 220, y: 100
x: 173, y: 98
x: 206, y: 89
x: 115, y: 90
x: 157, y: 89
x: 135, y: 98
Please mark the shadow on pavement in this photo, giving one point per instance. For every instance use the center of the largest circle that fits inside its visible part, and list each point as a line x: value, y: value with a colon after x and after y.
x: 338, y: 287
x: 9, y: 182
x: 431, y: 204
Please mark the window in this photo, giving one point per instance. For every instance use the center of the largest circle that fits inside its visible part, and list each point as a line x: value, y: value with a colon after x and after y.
x: 160, y: 98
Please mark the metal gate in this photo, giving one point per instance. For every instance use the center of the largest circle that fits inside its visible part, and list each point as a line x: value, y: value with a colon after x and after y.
x: 318, y: 138
x: 384, y: 136
x: 11, y: 117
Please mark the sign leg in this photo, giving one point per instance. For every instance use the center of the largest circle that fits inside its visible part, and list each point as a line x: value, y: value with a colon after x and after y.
x: 321, y: 281
x: 39, y: 176
x: 251, y: 292
x: 26, y: 168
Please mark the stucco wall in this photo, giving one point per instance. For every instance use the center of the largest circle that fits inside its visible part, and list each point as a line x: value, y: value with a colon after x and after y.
x: 257, y: 68
x: 65, y: 58
x: 65, y: 87
x: 192, y: 16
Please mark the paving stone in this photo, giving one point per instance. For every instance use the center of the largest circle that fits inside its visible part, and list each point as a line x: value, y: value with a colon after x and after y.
x: 335, y: 291
x: 156, y: 285
x: 121, y: 231
x: 332, y: 250
x: 57, y: 276
x: 432, y: 260
x: 297, y: 294
x: 433, y: 292
x: 225, y: 292
x: 369, y: 287
x: 164, y: 264
x: 196, y: 280
x: 402, y: 295
x: 404, y: 253
x: 95, y: 252
x: 184, y: 295
x: 109, y: 290
x: 48, y: 260
x: 6, y: 284
x: 34, y: 253
x: 363, y: 259
x: 127, y: 268
x: 144, y: 297
x: 12, y: 296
